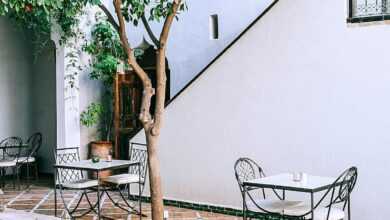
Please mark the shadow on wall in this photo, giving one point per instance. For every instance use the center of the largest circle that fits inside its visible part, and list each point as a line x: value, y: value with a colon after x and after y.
x: 43, y: 97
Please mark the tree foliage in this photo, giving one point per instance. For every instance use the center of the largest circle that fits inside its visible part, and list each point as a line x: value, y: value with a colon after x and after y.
x: 40, y: 15
x: 106, y: 51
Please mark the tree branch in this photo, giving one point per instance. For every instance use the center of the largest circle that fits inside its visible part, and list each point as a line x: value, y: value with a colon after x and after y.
x: 168, y: 23
x: 149, y: 31
x: 148, y: 92
x: 161, y: 70
x: 109, y: 16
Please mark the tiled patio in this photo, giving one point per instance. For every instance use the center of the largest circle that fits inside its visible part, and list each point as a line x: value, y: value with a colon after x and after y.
x: 39, y: 198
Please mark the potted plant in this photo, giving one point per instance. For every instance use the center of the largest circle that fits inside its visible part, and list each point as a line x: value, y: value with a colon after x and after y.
x: 100, y: 115
x: 106, y: 52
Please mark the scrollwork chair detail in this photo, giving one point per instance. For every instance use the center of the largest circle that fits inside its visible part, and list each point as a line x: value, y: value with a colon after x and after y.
x: 255, y: 199
x: 325, y: 209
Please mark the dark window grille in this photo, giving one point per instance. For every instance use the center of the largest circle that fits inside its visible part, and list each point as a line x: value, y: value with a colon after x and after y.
x: 368, y: 10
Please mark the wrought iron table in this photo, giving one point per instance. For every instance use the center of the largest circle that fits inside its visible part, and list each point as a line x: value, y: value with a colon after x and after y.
x: 285, y: 182
x: 88, y: 165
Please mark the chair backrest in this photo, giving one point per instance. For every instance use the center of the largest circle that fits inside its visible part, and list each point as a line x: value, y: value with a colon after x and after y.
x: 10, y: 146
x: 348, y: 182
x: 64, y: 156
x: 338, y: 192
x: 246, y: 169
x: 35, y: 142
x: 139, y: 153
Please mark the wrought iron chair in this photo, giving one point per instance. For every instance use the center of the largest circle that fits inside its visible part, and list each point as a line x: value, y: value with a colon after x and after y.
x: 71, y: 179
x: 338, y: 193
x: 29, y: 158
x: 254, y: 199
x: 136, y: 175
x: 11, y: 151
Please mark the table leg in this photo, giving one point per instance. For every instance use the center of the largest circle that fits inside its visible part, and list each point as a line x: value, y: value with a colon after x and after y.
x: 98, y: 195
x: 312, y: 205
x: 284, y: 195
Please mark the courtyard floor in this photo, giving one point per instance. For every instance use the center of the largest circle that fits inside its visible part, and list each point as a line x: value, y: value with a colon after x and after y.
x: 39, y: 198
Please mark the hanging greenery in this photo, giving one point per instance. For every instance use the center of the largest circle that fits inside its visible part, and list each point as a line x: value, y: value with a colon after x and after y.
x: 39, y: 16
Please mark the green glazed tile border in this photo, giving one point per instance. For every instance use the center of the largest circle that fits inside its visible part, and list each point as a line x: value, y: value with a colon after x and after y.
x: 216, y: 209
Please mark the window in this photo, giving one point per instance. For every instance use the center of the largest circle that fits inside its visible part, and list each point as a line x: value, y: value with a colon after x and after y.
x: 368, y: 10
x: 214, y: 29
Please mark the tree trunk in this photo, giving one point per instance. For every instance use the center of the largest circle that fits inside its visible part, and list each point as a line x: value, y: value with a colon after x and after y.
x: 154, y: 176
x: 152, y: 125
x: 152, y: 136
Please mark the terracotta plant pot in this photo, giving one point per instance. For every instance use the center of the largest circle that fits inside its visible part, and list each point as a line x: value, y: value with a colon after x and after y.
x: 101, y: 149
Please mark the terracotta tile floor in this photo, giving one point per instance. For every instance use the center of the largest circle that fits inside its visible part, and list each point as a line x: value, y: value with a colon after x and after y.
x: 39, y: 198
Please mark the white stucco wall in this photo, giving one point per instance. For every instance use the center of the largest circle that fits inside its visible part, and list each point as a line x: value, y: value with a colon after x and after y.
x: 15, y: 77
x: 301, y: 91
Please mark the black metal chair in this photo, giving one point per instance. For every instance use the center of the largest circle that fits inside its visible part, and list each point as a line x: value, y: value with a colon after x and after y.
x: 71, y: 179
x: 326, y: 208
x: 136, y: 175
x: 29, y: 159
x: 11, y: 148
x: 254, y: 199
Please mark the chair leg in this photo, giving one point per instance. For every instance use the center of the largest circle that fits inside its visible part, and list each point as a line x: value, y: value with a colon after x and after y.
x: 244, y: 217
x: 139, y: 200
x: 14, y: 172
x: 349, y: 208
x: 18, y: 177
x: 36, y: 170
x: 28, y: 174
x: 128, y: 191
x: 55, y: 200
x: 2, y: 177
x: 63, y: 202
x: 28, y: 170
